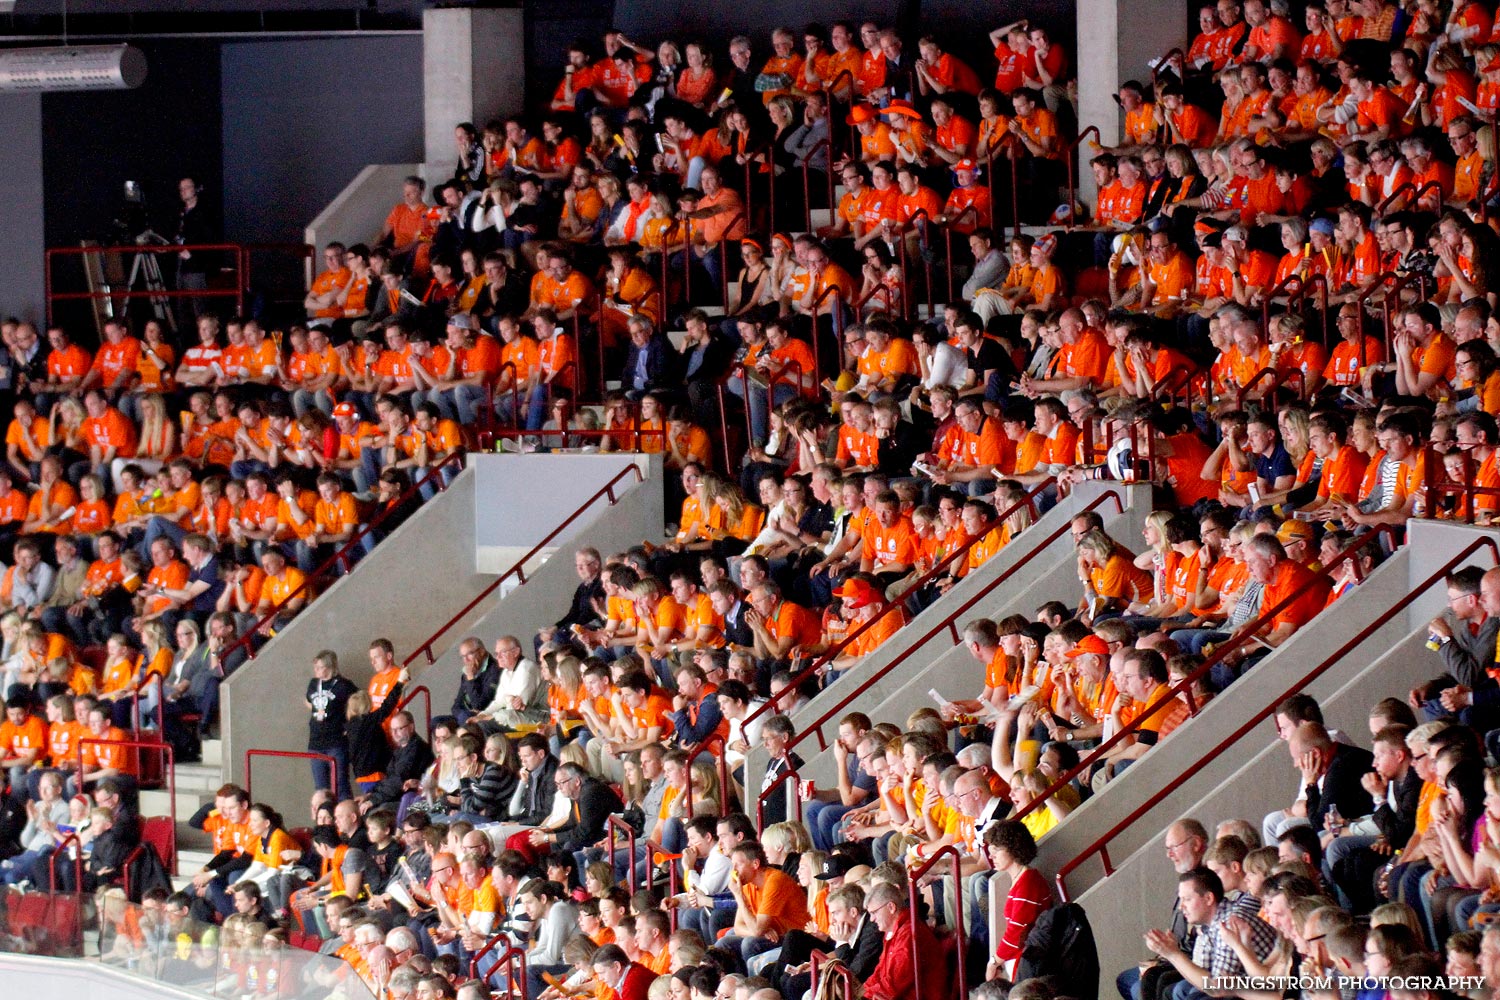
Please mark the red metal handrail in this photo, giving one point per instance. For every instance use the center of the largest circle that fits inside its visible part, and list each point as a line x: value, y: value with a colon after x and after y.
x: 333, y: 768
x: 653, y: 850
x: 1277, y: 377
x: 960, y: 927
x: 841, y: 300
x: 724, y: 424
x: 420, y: 689
x: 515, y: 394
x: 807, y: 179
x: 724, y: 252
x: 169, y: 771
x: 819, y: 965
x: 512, y: 955
x: 135, y: 702
x: 613, y: 823
x: 1469, y: 489
x: 949, y: 227
x: 947, y: 623
x: 1100, y: 845
x: 1408, y: 187
x: 341, y: 557
x: 1070, y: 152
x: 769, y: 163
x: 77, y: 863
x: 911, y: 226
x: 1400, y: 284
x: 790, y: 774
x: 769, y: 706
x: 1185, y: 686
x: 518, y: 570
x: 237, y: 292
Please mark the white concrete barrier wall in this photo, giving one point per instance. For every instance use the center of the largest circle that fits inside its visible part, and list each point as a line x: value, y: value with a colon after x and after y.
x: 414, y: 581
x: 1256, y: 775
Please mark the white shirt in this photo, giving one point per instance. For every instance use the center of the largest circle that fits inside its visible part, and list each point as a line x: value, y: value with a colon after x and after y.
x: 521, y: 682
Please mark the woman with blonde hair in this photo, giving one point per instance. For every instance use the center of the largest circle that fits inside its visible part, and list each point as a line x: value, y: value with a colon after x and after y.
x: 1111, y: 580
x: 158, y: 440
x: 563, y: 675
x: 784, y: 844
x: 707, y: 800
x: 369, y: 750
x: 65, y: 430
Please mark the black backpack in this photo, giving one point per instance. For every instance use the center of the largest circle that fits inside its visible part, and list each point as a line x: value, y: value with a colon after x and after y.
x: 1061, y: 944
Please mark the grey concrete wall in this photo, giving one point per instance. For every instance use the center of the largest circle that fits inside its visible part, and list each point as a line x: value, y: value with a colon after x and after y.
x: 474, y: 68
x: 1255, y: 775
x: 517, y: 513
x: 939, y: 661
x: 413, y: 581
x: 420, y: 576
x: 1113, y: 48
x: 548, y: 590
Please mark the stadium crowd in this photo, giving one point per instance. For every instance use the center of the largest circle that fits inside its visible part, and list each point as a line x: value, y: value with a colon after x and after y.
x: 1269, y: 185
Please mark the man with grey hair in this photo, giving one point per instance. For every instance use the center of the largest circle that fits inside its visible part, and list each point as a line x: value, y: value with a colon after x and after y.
x: 593, y: 802
x: 403, y: 984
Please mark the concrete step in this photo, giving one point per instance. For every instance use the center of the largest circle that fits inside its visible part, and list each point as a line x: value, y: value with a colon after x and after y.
x: 190, y: 861
x: 158, y: 802
x: 213, y: 753
x: 822, y: 217
x: 189, y: 839
x: 199, y: 777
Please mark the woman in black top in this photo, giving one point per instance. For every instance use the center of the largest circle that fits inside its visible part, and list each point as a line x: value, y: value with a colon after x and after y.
x: 327, y: 700
x: 369, y: 749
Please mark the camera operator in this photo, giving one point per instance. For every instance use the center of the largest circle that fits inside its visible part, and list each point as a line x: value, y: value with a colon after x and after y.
x: 194, y: 228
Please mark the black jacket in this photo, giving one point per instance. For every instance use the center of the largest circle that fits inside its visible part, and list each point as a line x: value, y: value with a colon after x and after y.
x: 1397, y: 825
x: 863, y: 953
x: 581, y: 611
x: 536, y: 794
x: 369, y: 749
x: 407, y: 763
x: 475, y: 693
x: 325, y: 725
x: 735, y: 629
x: 656, y: 351
x: 596, y: 802
x: 1341, y: 785
x: 704, y: 364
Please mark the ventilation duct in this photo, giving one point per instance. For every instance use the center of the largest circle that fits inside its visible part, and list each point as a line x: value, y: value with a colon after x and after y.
x: 74, y: 67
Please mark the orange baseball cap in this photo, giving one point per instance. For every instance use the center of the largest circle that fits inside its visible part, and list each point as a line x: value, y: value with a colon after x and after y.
x: 857, y: 594
x: 1089, y: 644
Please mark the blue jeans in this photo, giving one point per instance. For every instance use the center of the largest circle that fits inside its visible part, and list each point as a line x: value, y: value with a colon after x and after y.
x: 320, y: 771
x: 760, y: 415
x: 536, y: 408
x: 822, y: 819
x: 304, y: 400
x: 746, y: 948
x: 1129, y: 984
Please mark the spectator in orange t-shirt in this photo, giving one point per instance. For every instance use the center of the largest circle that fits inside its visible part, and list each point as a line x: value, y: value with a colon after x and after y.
x: 405, y: 226
x: 67, y: 365
x: 1281, y: 579
x: 770, y: 903
x: 109, y: 434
